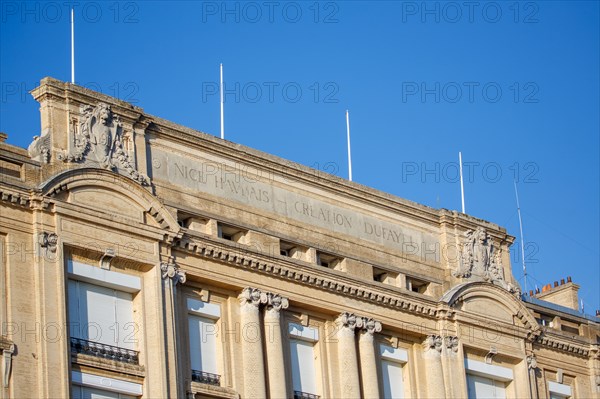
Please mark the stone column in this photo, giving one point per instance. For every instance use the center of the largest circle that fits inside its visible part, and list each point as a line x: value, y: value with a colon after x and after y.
x: 274, y: 346
x: 253, y: 368
x: 454, y: 368
x: 368, y: 358
x: 349, y: 376
x: 432, y: 350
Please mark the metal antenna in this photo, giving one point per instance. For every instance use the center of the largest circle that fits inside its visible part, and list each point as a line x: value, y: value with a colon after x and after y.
x: 72, y: 46
x: 522, y: 238
x: 462, y: 186
x: 349, y: 151
x: 222, y: 113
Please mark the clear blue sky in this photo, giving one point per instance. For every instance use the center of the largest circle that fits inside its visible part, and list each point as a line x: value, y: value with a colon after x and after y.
x: 513, y: 85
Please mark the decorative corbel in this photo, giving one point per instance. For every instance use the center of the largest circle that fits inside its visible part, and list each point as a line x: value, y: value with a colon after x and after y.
x: 7, y: 355
x: 171, y: 270
x: 531, y: 362
x: 490, y: 355
x: 105, y: 260
x: 48, y: 241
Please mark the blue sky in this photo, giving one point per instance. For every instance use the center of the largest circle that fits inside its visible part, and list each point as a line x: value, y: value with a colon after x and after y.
x: 513, y: 85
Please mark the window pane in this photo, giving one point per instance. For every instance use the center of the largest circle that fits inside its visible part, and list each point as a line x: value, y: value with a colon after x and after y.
x: 203, y: 344
x: 393, y: 386
x: 125, y: 329
x: 303, y: 366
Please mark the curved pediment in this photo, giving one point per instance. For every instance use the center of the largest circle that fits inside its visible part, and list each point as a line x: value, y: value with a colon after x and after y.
x: 490, y: 301
x: 108, y: 192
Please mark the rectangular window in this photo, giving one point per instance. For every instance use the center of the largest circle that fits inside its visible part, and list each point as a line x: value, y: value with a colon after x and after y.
x: 559, y: 391
x: 483, y: 387
x: 392, y: 362
x: 102, y: 315
x: 302, y: 355
x: 80, y: 392
x: 202, y: 327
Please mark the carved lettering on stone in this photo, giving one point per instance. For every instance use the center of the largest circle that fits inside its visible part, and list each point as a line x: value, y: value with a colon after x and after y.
x: 99, y: 141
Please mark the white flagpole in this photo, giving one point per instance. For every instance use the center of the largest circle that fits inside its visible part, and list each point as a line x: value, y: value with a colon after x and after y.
x: 462, y: 187
x: 349, y: 151
x: 222, y: 114
x: 522, y: 239
x: 72, y: 46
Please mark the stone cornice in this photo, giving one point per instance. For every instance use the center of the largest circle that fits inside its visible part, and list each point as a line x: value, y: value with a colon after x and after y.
x: 307, y: 275
x: 565, y: 345
x: 14, y: 198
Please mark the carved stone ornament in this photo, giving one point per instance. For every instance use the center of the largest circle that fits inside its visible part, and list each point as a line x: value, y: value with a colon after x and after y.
x: 253, y: 296
x: 39, y: 149
x: 370, y: 325
x: 7, y: 354
x: 433, y: 342
x: 171, y: 270
x: 451, y: 343
x: 481, y: 260
x: 531, y: 362
x: 276, y: 302
x: 99, y: 140
x: 350, y: 320
x: 49, y: 241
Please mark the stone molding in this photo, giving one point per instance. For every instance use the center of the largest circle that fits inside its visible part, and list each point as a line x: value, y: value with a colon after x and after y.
x: 234, y: 256
x: 556, y: 343
x: 172, y: 271
x: 14, y: 198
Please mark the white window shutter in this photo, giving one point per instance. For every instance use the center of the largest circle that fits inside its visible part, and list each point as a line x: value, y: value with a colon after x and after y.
x: 393, y: 384
x: 303, y: 366
x: 203, y: 344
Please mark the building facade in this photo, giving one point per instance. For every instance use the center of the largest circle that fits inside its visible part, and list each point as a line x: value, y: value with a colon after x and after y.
x: 143, y: 259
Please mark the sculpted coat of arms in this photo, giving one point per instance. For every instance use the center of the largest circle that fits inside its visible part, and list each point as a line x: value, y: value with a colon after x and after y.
x: 480, y: 259
x: 99, y: 141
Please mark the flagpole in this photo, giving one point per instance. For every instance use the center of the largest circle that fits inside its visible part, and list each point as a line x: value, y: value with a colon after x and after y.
x: 522, y: 239
x: 222, y: 112
x: 72, y: 46
x: 462, y: 187
x: 349, y: 151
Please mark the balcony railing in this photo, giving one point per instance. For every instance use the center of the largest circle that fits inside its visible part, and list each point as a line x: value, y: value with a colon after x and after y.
x: 206, y: 378
x: 305, y: 395
x: 79, y: 345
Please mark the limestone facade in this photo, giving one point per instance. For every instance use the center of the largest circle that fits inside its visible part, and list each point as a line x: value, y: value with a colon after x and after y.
x: 144, y: 259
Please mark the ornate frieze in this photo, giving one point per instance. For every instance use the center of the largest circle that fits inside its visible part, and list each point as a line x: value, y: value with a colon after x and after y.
x: 173, y: 271
x: 99, y: 140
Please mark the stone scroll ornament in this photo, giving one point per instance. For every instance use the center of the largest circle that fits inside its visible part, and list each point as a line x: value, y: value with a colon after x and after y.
x: 99, y: 141
x: 480, y: 260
